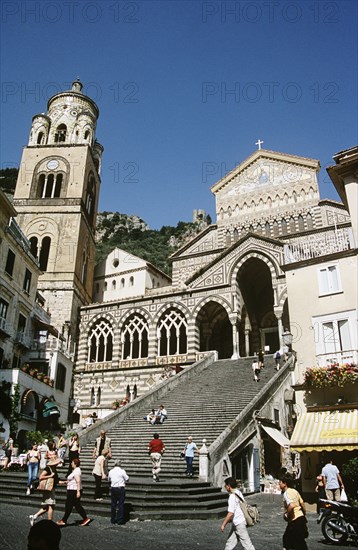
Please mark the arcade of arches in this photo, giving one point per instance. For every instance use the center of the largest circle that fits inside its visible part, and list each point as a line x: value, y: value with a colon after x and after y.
x: 214, y: 326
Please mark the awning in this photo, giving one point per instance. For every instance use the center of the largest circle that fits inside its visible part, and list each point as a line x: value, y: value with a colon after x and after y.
x: 50, y: 408
x: 45, y: 326
x: 326, y: 431
x: 277, y: 436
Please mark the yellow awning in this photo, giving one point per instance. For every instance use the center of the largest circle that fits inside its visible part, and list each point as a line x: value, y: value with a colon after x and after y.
x: 326, y: 431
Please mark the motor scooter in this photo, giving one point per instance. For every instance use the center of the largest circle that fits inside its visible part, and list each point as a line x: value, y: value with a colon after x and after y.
x: 339, y: 521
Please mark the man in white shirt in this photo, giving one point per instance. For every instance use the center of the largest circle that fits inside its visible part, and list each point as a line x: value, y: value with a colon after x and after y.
x: 235, y: 516
x: 117, y: 478
x: 332, y: 481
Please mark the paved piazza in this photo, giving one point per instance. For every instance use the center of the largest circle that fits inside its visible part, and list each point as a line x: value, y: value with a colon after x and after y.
x: 156, y: 535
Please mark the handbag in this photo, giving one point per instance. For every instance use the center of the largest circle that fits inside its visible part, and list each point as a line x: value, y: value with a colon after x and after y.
x: 46, y: 484
x: 251, y: 513
x: 182, y: 455
x: 344, y: 497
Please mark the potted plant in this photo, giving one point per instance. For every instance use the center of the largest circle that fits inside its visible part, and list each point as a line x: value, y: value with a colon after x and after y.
x: 116, y: 404
x: 33, y: 372
x: 40, y: 376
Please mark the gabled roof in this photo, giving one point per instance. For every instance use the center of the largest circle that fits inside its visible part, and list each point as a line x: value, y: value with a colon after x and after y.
x: 228, y: 250
x: 192, y: 241
x: 266, y: 154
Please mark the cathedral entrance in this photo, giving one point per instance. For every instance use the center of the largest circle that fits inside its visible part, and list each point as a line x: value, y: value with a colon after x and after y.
x: 258, y: 326
x: 215, y: 330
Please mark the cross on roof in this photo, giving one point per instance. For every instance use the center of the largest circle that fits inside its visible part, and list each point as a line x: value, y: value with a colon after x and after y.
x: 259, y: 142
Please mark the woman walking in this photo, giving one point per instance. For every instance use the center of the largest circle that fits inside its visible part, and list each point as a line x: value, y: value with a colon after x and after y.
x: 100, y: 472
x: 74, y: 449
x: 9, y: 449
x: 296, y: 531
x: 73, y: 498
x: 33, y: 461
x: 48, y: 501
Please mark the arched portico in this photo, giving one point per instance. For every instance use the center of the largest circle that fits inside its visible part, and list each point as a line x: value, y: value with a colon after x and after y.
x: 259, y: 326
x: 214, y: 329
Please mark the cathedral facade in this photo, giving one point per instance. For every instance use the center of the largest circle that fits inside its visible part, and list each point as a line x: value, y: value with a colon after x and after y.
x: 229, y: 289
x: 274, y: 270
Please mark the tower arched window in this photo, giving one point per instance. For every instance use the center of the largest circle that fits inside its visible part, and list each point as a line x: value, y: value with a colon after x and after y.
x: 34, y: 246
x: 100, y: 342
x: 258, y: 228
x: 90, y: 197
x: 44, y: 253
x: 228, y: 238
x: 87, y: 135
x: 267, y: 229
x: 172, y: 333
x: 40, y: 138
x: 236, y: 235
x: 60, y: 134
x: 135, y: 338
x: 49, y: 185
x: 84, y: 267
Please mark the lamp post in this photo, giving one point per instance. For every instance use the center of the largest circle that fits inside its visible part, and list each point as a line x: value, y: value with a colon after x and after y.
x: 287, y: 339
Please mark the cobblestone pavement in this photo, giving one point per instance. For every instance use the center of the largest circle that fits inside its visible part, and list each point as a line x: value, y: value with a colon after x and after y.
x: 157, y: 535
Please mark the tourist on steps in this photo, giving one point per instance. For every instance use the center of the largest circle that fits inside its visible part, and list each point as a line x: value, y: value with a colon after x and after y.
x: 189, y: 450
x: 100, y: 472
x: 156, y: 449
x: 117, y: 478
x: 73, y: 497
x: 160, y: 415
x: 33, y: 462
x: 103, y: 443
x: 256, y: 369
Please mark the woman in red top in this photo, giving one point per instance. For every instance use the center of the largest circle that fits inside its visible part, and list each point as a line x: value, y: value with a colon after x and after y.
x: 156, y: 449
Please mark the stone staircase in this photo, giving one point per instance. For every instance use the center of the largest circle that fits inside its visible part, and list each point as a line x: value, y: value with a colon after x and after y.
x: 202, y: 407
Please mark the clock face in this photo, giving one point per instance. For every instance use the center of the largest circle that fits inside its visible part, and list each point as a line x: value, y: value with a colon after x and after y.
x: 52, y: 164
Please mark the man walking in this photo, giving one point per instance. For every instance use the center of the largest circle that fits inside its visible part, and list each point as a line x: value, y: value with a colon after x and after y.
x: 156, y: 449
x: 117, y: 478
x: 235, y: 516
x: 103, y: 443
x: 332, y: 481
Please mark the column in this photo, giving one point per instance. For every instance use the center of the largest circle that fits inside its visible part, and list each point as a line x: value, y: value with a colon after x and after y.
x: 204, y: 462
x: 235, y: 341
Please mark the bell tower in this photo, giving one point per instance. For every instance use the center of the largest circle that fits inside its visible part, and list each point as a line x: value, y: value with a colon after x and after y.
x: 56, y: 198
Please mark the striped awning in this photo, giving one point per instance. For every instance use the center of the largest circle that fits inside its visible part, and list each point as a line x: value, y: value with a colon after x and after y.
x: 326, y: 431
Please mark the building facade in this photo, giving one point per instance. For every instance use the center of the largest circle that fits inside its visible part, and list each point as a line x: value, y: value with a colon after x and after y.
x: 232, y: 286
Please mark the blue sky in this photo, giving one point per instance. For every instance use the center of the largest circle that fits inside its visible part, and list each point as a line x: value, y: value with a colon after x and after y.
x: 184, y: 88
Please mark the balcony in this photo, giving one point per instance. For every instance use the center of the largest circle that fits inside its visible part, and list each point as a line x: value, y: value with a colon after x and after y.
x: 320, y: 244
x: 5, y: 328
x: 22, y: 340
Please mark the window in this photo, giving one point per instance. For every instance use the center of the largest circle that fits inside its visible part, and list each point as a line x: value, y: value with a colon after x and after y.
x: 60, y: 135
x: 60, y: 377
x: 131, y: 281
x: 114, y: 284
x: 44, y: 253
x: 329, y: 280
x: 27, y: 280
x: 49, y: 185
x: 100, y: 342
x: 336, y: 336
x: 10, y: 262
x: 3, y: 308
x: 172, y: 333
x: 135, y: 338
x: 21, y: 324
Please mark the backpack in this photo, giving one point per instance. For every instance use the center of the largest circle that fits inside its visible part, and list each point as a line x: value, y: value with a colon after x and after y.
x: 250, y: 512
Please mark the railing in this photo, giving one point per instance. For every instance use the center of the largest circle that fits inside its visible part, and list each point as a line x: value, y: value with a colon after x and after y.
x: 171, y: 359
x: 321, y: 244
x: 340, y: 357
x: 22, y: 339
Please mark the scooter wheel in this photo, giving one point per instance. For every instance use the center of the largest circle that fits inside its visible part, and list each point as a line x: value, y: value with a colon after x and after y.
x: 330, y: 533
